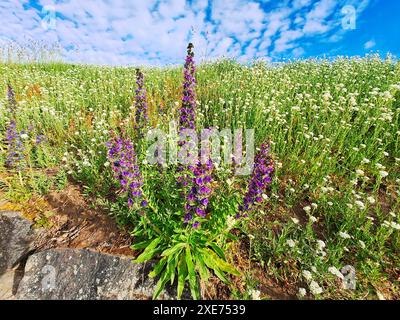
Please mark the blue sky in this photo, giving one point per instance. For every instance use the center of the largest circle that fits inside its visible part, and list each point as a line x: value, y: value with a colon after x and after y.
x: 155, y: 32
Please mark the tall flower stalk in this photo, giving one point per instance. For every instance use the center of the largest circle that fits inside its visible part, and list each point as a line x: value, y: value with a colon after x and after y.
x: 196, y: 177
x: 260, y: 181
x: 187, y: 111
x: 141, y: 108
x: 12, y: 103
x: 16, y: 148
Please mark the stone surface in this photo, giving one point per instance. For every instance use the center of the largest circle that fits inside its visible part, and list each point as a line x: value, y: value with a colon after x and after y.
x: 84, y: 274
x: 16, y: 237
x: 7, y: 285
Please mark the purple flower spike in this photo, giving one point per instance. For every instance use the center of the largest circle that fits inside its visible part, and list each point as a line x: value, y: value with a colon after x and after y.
x: 197, y: 198
x: 187, y: 111
x: 260, y: 181
x: 122, y: 156
x: 141, y: 116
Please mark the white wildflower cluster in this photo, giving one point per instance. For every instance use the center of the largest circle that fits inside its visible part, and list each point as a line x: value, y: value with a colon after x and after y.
x: 314, y: 287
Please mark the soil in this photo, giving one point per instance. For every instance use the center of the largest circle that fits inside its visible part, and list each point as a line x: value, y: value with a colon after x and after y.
x: 76, y: 225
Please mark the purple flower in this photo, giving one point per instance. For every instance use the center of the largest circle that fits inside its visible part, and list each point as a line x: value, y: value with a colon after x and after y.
x: 15, y: 145
x: 122, y: 156
x: 12, y: 103
x: 196, y: 225
x: 260, y: 180
x: 141, y: 116
x: 197, y: 197
x: 187, y: 111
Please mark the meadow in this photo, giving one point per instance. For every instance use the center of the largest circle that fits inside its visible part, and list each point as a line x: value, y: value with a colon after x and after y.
x: 327, y: 130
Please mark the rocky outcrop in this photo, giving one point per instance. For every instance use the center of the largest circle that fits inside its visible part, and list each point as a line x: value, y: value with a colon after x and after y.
x: 16, y: 237
x: 66, y: 273
x: 85, y: 274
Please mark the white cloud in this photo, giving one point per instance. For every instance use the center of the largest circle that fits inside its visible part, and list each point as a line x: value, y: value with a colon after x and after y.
x: 157, y: 31
x: 316, y: 19
x: 369, y: 44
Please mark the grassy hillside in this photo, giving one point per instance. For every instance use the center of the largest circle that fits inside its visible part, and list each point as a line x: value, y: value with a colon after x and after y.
x: 334, y: 130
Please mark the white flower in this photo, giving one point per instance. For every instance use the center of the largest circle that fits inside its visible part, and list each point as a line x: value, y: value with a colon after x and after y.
x: 265, y: 197
x: 314, y: 269
x: 365, y: 160
x: 371, y: 200
x: 362, y: 244
x: 314, y: 205
x: 379, y: 166
x: 335, y: 272
x: 290, y: 243
x: 24, y: 136
x: 320, y: 245
x: 255, y: 294
x: 360, y: 172
x: 313, y: 219
x: 344, y: 235
x: 383, y: 174
x: 307, y: 209
x: 106, y: 164
x: 360, y: 204
x: 315, y: 288
x: 307, y: 275
x: 230, y: 221
x: 295, y: 220
x: 395, y: 225
x: 302, y: 292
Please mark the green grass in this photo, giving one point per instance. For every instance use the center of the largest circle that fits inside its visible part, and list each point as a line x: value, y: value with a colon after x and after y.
x: 326, y: 121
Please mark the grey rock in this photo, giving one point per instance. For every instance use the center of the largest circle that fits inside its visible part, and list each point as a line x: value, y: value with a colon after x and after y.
x: 7, y: 285
x: 16, y: 237
x: 75, y: 274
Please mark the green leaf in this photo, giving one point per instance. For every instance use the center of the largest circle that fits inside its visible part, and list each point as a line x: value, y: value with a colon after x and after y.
x: 221, y: 264
x: 141, y: 245
x: 192, y: 275
x: 211, y: 264
x: 218, y: 250
x: 160, y: 284
x: 202, y: 268
x: 172, y: 263
x: 172, y: 250
x: 182, y: 274
x: 158, y: 268
x: 232, y: 237
x: 149, y: 252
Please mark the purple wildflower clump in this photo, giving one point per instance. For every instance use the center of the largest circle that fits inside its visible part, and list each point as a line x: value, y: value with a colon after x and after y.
x: 16, y: 148
x: 122, y: 157
x: 12, y: 103
x: 260, y: 180
x: 197, y: 198
x: 187, y: 111
x: 141, y: 116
